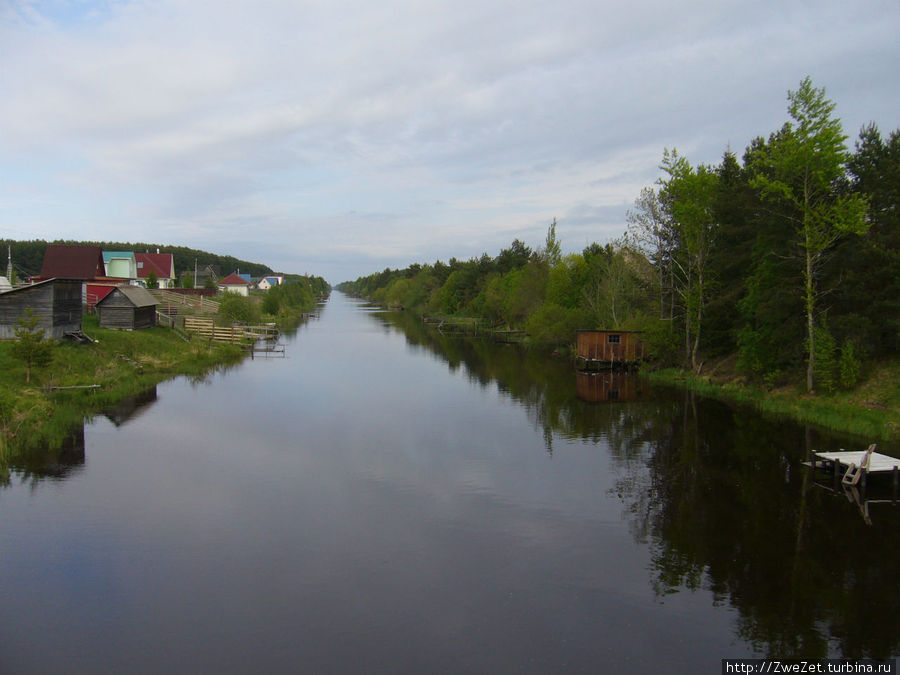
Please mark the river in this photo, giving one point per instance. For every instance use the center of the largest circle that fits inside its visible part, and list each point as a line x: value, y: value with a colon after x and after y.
x: 388, y: 499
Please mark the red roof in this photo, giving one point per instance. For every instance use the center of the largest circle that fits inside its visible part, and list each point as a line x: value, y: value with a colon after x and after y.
x: 160, y: 263
x: 233, y: 280
x: 71, y: 261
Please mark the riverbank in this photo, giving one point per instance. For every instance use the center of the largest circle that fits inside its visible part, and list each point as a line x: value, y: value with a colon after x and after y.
x: 120, y: 363
x: 871, y: 410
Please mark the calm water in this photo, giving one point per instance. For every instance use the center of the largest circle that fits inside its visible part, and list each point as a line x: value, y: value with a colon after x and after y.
x: 386, y: 499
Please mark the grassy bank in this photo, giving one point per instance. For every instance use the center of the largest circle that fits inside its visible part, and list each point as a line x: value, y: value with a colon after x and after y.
x: 122, y: 363
x: 871, y: 410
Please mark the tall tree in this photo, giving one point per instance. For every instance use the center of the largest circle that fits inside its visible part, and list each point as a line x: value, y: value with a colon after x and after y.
x: 806, y: 167
x: 689, y: 194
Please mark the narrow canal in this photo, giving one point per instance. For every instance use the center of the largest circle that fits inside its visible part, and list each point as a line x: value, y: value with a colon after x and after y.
x: 388, y: 499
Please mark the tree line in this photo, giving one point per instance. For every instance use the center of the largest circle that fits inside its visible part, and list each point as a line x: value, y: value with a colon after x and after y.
x: 28, y: 256
x: 787, y: 257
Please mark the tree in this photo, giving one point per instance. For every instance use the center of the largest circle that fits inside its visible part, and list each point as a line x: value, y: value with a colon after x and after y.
x: 152, y: 280
x: 651, y: 231
x: 187, y: 281
x: 806, y: 170
x: 552, y: 252
x: 688, y: 194
x: 30, y: 345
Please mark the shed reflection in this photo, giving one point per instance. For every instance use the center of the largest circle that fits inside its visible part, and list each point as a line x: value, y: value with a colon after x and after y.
x: 609, y: 386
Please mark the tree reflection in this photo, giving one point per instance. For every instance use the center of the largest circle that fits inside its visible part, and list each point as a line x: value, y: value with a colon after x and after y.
x: 721, y: 497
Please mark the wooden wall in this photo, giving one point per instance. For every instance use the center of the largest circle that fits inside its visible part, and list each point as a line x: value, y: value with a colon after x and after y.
x: 117, y: 311
x: 609, y: 346
x: 57, y: 302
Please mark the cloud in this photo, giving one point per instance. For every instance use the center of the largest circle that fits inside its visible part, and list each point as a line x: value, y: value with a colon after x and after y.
x: 397, y: 131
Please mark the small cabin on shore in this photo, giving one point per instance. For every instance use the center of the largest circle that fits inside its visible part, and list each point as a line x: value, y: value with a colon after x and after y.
x: 57, y: 303
x: 608, y: 349
x: 127, y: 308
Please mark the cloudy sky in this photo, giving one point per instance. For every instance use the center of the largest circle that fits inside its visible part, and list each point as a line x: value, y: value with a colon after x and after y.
x: 338, y: 138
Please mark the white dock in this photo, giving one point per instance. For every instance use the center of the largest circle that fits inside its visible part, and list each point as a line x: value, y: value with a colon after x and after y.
x: 857, y: 464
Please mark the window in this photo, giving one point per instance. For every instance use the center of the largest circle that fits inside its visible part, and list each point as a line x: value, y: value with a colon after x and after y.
x: 615, y: 339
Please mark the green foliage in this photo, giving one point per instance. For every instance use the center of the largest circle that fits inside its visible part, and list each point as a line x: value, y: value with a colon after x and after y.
x: 152, y: 280
x: 187, y: 281
x: 552, y: 325
x: 849, y: 366
x: 234, y: 307
x: 825, y: 346
x: 30, y: 345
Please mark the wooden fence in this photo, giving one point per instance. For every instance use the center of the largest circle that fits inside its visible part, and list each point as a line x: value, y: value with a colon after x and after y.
x: 197, y: 303
x: 236, y: 334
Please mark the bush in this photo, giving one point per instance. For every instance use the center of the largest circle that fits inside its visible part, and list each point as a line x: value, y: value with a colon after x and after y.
x: 234, y: 307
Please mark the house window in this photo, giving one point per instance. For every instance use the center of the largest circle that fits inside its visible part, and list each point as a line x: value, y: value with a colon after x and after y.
x: 140, y: 265
x: 615, y: 339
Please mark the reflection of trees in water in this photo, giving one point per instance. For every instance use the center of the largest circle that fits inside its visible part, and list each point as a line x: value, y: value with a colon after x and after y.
x: 47, y: 464
x: 722, y: 500
x: 732, y: 510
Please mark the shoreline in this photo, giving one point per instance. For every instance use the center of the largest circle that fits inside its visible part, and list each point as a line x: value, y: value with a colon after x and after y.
x: 865, y: 411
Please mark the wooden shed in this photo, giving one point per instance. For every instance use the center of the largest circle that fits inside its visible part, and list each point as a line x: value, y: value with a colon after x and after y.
x: 128, y: 308
x: 57, y: 302
x: 604, y: 349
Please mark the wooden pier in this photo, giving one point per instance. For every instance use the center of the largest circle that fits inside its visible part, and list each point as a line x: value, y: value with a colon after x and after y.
x: 854, y: 466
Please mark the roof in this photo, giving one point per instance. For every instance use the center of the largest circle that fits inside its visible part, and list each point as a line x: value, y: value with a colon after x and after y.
x: 139, y: 297
x: 5, y: 285
x: 160, y: 263
x: 233, y: 280
x: 71, y: 261
x: 109, y: 255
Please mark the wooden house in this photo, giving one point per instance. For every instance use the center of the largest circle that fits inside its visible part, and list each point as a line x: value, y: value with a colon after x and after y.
x: 607, y: 349
x: 128, y: 308
x: 57, y: 302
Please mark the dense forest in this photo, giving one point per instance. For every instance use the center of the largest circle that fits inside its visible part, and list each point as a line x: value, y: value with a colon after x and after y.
x: 28, y: 256
x: 787, y: 258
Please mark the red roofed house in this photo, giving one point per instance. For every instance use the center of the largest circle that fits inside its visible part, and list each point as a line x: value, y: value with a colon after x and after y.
x: 234, y: 284
x: 161, y: 264
x: 73, y: 261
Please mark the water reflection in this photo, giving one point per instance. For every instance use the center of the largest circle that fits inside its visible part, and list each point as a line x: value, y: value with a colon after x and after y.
x: 721, y: 497
x: 131, y: 407
x: 49, y: 463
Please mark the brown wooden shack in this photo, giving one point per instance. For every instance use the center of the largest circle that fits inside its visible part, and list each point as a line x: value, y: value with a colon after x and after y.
x: 604, y: 349
x: 128, y: 308
x: 57, y: 302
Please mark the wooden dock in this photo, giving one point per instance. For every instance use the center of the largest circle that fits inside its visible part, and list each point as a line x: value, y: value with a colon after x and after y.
x: 854, y: 466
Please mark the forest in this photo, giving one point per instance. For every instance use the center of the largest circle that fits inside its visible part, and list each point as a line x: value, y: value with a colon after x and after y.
x: 785, y: 260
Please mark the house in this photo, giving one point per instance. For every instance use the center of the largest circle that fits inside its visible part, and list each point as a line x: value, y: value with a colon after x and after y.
x: 71, y: 261
x: 267, y: 282
x: 120, y: 264
x: 127, y: 308
x: 603, y: 349
x: 161, y: 264
x: 234, y: 283
x: 5, y: 285
x: 57, y: 303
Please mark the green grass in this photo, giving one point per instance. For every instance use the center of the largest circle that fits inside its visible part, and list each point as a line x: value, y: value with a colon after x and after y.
x: 123, y: 363
x: 871, y: 410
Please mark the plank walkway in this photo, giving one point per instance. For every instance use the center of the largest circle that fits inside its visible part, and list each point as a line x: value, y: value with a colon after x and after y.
x: 853, y: 462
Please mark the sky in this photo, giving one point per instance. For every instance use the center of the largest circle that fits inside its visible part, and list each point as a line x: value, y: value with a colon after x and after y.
x: 337, y: 138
